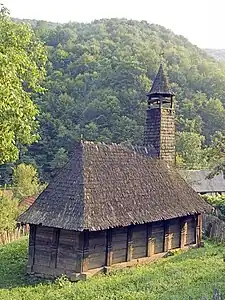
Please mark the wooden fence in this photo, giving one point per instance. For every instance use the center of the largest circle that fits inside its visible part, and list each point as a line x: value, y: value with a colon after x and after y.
x: 10, y: 236
x: 213, y: 227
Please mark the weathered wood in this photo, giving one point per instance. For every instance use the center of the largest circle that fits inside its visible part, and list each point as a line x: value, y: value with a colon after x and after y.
x: 97, y: 249
x: 174, y: 233
x: 109, y: 253
x: 129, y: 243
x: 67, y: 255
x: 84, y: 267
x: 167, y: 239
x: 139, y: 241
x: 31, y: 255
x: 119, y: 244
x: 157, y: 237
x: 183, y: 232
x: 119, y: 256
x: 198, y: 230
x: 54, y: 248
x: 191, y: 231
x: 149, y: 250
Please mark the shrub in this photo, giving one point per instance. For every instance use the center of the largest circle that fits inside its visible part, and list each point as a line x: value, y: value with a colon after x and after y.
x: 25, y: 181
x: 8, y: 212
x: 217, y: 201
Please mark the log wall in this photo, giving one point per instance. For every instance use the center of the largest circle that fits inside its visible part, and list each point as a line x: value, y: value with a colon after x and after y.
x: 53, y: 251
x: 139, y: 241
x: 191, y: 230
x: 157, y: 237
x: 57, y: 251
x: 97, y: 249
x: 119, y: 245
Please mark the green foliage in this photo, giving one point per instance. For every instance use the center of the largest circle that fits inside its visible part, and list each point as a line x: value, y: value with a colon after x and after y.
x: 9, y: 211
x: 25, y: 181
x: 97, y: 78
x: 22, y: 59
x: 195, y: 273
x: 190, y: 154
x: 218, y: 201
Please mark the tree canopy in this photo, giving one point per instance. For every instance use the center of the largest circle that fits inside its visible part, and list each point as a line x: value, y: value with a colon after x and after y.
x: 97, y: 78
x: 22, y: 60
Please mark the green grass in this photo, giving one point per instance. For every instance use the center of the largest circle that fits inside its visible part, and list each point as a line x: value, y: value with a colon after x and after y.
x: 194, y: 273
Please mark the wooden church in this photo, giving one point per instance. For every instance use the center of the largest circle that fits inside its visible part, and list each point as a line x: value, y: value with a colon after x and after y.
x: 116, y: 206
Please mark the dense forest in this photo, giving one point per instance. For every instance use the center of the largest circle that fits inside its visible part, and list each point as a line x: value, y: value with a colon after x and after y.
x: 97, y: 77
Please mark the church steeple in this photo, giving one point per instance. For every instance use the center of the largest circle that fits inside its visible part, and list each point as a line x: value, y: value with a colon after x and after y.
x: 160, y: 89
x: 160, y: 125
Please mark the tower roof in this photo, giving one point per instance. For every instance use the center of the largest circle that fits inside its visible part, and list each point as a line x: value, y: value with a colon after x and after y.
x: 160, y: 85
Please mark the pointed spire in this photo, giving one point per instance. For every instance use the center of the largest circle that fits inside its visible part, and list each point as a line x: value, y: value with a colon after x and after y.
x: 160, y: 86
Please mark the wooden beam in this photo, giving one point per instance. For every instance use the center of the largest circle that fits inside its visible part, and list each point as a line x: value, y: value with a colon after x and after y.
x: 85, y: 251
x: 199, y: 230
x: 129, y: 243
x: 54, y: 248
x: 31, y: 255
x: 167, y: 237
x: 149, y: 250
x: 183, y: 232
x: 109, y: 252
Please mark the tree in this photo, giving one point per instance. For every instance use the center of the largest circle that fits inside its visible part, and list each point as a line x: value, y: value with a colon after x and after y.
x: 190, y: 154
x: 25, y: 181
x: 8, y: 212
x: 22, y: 61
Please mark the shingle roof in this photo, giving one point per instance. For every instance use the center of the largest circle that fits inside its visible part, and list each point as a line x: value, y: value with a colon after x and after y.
x: 105, y: 186
x: 199, y: 181
x: 160, y: 84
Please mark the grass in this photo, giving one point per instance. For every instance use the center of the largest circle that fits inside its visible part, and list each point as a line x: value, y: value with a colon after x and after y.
x: 194, y: 273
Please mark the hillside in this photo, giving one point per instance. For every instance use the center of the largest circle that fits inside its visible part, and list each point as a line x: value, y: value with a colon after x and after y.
x: 219, y: 54
x: 193, y: 274
x: 97, y: 78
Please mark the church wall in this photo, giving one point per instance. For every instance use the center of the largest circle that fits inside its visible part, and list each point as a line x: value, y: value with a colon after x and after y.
x: 97, y: 249
x: 139, y: 244
x: 55, y: 251
x: 119, y: 244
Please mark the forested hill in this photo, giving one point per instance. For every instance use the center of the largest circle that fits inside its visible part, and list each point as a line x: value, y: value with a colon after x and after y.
x: 98, y: 75
x: 217, y: 53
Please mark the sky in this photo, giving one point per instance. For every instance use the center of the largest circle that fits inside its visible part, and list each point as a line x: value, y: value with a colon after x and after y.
x: 201, y: 21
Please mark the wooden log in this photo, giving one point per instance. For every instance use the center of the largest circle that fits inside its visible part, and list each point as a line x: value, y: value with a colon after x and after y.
x: 183, y: 232
x: 129, y: 243
x: 31, y: 254
x: 199, y: 230
x: 85, y: 251
x: 167, y: 237
x: 54, y: 248
x: 149, y: 248
x: 109, y: 252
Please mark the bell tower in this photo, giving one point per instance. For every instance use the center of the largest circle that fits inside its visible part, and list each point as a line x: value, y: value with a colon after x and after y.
x: 160, y: 123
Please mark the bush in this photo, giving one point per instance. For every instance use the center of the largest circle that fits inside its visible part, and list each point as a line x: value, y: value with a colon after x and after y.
x: 25, y: 181
x: 218, y: 202
x: 8, y: 212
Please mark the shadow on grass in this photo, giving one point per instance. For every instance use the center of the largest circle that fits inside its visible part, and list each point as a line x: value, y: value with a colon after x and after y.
x: 13, y: 260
